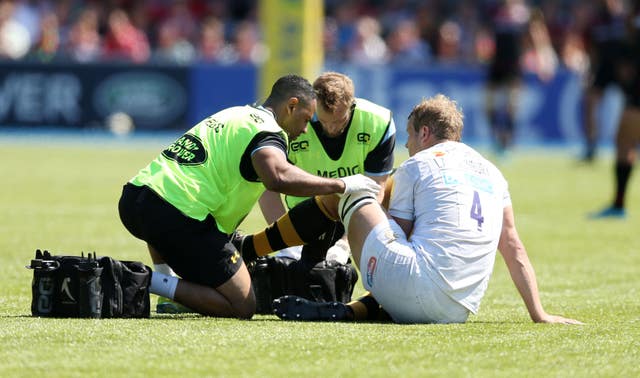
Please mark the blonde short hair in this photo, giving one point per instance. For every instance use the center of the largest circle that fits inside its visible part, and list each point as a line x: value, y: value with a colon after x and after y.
x: 441, y: 115
x: 334, y: 89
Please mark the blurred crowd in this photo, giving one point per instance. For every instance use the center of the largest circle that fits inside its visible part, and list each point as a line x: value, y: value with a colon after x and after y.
x: 406, y: 32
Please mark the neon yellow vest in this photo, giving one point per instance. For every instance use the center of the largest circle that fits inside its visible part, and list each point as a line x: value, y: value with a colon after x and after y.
x: 199, y: 173
x: 368, y: 127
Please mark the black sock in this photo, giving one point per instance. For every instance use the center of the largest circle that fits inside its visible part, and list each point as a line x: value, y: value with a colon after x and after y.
x: 623, y: 173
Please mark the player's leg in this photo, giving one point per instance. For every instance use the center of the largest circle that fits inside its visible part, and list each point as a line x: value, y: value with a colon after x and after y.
x: 128, y: 208
x: 592, y: 100
x: 234, y: 298
x: 300, y: 225
x: 627, y: 139
x: 361, y: 222
x: 491, y: 110
x: 165, y: 305
x: 514, y: 90
x: 359, y: 213
x: 215, y: 281
x: 367, y: 307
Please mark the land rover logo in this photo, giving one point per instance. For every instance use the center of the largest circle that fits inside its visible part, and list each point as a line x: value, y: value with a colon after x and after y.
x: 187, y: 150
x: 152, y: 99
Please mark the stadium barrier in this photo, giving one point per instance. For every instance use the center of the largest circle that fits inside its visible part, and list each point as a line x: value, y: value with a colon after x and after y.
x: 175, y: 97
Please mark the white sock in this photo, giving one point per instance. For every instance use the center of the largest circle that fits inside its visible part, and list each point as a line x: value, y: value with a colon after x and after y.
x: 350, y: 203
x: 164, y: 269
x: 163, y: 285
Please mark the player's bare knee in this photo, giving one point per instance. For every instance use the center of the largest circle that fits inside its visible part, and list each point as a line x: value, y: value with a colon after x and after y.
x: 246, y: 309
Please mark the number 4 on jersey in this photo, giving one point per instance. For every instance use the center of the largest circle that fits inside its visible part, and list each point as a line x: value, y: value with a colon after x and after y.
x: 476, y: 210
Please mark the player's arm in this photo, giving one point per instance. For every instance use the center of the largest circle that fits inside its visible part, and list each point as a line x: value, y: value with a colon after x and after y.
x: 522, y: 273
x: 378, y: 164
x: 400, y: 197
x: 405, y: 224
x: 278, y: 175
x: 271, y: 206
x: 265, y: 160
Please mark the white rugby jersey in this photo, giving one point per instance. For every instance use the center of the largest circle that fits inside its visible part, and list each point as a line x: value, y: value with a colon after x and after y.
x: 455, y: 198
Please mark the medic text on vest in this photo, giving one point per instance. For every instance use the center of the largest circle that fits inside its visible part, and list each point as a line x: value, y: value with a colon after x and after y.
x: 340, y: 172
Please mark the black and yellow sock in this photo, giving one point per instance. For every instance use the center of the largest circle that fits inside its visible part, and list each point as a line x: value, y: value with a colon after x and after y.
x: 365, y: 308
x: 305, y: 223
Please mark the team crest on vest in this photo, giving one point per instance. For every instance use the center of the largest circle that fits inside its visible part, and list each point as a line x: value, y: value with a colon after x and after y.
x: 187, y: 150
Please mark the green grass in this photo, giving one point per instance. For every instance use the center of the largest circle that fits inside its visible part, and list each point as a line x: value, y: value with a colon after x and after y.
x: 62, y: 196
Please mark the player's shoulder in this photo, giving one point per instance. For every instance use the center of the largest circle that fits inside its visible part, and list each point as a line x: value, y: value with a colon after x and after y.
x: 371, y: 107
x: 251, y: 115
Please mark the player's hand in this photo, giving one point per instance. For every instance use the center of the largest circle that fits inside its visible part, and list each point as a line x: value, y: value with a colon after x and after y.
x: 360, y: 183
x: 557, y: 319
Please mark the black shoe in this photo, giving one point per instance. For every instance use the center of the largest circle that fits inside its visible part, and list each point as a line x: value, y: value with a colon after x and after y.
x: 589, y: 156
x: 291, y: 307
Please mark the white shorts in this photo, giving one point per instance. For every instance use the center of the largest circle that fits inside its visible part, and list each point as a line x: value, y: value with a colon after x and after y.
x: 391, y: 273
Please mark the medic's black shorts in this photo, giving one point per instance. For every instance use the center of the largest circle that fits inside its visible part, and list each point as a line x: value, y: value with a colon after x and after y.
x: 196, y: 250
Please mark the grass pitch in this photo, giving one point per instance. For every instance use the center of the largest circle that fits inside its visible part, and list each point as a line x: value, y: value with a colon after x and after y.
x: 61, y: 194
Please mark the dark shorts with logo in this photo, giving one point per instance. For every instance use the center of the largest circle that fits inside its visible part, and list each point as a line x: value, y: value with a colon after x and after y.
x: 195, y: 250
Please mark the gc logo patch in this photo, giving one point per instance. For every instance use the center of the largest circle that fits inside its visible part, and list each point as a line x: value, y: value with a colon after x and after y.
x: 371, y: 269
x: 300, y: 146
x: 363, y: 138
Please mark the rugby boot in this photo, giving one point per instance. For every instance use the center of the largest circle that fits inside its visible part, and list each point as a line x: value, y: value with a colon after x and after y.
x: 291, y: 307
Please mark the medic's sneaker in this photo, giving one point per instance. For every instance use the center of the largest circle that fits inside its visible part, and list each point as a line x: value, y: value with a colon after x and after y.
x: 167, y: 306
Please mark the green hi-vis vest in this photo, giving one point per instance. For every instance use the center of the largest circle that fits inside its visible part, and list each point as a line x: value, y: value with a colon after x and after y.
x: 368, y: 127
x: 199, y: 173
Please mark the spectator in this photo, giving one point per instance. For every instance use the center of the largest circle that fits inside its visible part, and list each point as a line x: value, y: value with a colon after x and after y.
x: 212, y: 46
x: 173, y: 46
x: 405, y: 45
x: 47, y: 46
x: 84, y: 43
x: 346, y: 17
x: 367, y: 45
x: 29, y: 13
x: 182, y: 21
x: 124, y: 41
x: 573, y: 54
x: 15, y: 39
x: 467, y: 19
x: 359, y: 31
x: 247, y: 46
x: 539, y: 56
x: 449, y: 39
x: 332, y: 50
